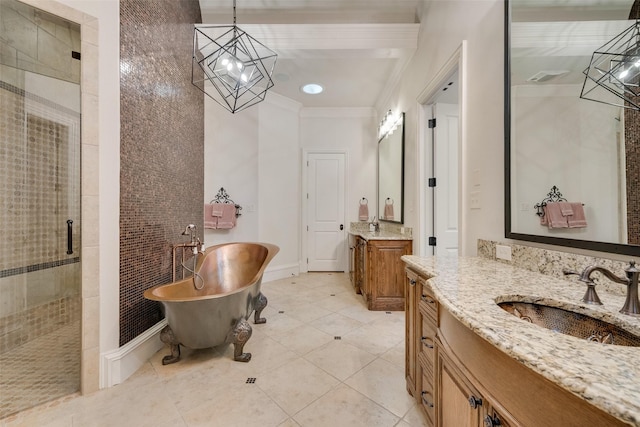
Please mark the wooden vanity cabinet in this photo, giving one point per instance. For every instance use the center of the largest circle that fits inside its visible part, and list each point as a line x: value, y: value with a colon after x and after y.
x: 379, y: 273
x: 421, y: 315
x: 466, y: 381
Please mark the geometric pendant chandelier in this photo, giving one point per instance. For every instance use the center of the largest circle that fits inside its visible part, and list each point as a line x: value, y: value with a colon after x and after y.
x: 615, y: 69
x: 230, y: 66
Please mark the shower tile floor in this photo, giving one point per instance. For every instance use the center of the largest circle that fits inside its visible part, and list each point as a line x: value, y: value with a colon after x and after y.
x: 40, y: 370
x: 322, y: 359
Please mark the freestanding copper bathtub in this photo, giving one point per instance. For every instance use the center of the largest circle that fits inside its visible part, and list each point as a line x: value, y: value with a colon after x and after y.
x: 211, y: 307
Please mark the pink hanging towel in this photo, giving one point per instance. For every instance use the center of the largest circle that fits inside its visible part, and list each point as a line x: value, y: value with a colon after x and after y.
x: 210, y: 221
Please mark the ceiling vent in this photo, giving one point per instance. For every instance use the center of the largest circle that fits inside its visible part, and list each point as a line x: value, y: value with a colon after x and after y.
x: 544, y: 76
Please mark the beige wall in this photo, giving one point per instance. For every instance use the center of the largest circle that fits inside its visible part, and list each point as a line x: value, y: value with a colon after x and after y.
x: 445, y: 25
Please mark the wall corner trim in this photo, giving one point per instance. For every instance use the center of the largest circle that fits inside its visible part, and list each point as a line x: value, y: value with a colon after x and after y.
x: 118, y: 365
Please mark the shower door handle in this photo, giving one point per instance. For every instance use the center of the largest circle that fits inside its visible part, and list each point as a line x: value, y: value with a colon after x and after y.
x: 69, y: 237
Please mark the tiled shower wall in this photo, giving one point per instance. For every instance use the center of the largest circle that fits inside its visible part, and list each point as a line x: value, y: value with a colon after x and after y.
x: 39, y: 281
x: 161, y: 152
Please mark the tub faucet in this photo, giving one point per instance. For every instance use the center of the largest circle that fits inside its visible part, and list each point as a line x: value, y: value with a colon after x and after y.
x: 191, y: 231
x: 631, y: 304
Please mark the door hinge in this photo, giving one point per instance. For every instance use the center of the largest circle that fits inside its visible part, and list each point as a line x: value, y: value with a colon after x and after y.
x: 307, y: 196
x: 432, y: 241
x: 307, y: 162
x: 307, y: 260
x: 431, y: 182
x: 431, y: 123
x: 307, y: 228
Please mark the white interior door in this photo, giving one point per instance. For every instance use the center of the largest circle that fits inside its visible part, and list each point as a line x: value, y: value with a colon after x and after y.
x: 445, y: 142
x: 326, y: 229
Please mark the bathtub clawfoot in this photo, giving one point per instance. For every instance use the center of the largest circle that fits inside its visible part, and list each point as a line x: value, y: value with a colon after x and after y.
x: 167, y: 337
x: 238, y: 336
x: 260, y: 304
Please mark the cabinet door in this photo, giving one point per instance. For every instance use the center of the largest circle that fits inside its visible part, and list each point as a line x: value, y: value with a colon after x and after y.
x: 411, y: 324
x: 359, y: 249
x: 459, y: 404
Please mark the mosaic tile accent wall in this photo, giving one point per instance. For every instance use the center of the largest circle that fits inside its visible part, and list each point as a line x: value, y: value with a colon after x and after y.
x: 161, y: 152
x: 632, y: 156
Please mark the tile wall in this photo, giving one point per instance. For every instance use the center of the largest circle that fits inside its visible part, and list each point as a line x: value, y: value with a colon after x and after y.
x: 161, y: 152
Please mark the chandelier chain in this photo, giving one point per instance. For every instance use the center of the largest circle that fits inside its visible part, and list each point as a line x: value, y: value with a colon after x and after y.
x: 234, y: 12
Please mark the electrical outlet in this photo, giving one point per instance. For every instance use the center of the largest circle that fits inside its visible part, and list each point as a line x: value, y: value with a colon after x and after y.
x: 503, y: 252
x: 474, y: 200
x: 401, y: 230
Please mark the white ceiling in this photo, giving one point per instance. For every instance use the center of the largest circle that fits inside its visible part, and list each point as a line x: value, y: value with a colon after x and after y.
x: 561, y: 35
x: 354, y: 48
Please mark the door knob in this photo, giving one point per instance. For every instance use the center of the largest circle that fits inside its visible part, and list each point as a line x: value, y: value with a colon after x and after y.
x: 341, y: 227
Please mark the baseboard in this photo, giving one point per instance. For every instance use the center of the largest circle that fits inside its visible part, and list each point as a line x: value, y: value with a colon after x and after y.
x: 280, y: 272
x: 120, y: 364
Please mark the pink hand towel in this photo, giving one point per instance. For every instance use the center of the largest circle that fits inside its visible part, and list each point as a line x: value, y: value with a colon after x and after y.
x: 228, y: 218
x: 217, y: 209
x: 210, y: 221
x: 544, y: 217
x: 388, y: 212
x: 554, y: 216
x: 578, y: 219
x: 565, y: 208
x: 363, y: 212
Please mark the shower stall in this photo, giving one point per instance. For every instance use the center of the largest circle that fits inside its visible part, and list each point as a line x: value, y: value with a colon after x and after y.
x: 40, y: 277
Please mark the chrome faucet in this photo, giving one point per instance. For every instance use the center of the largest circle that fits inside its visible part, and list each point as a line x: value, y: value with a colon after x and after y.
x: 631, y: 304
x: 376, y: 224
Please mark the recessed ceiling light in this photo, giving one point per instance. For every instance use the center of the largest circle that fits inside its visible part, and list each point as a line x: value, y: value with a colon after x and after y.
x: 312, y: 88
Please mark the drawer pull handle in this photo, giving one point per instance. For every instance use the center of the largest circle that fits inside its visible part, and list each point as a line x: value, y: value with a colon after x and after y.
x: 425, y: 401
x: 427, y: 299
x: 490, y: 421
x: 474, y: 402
x: 425, y: 342
x: 412, y: 282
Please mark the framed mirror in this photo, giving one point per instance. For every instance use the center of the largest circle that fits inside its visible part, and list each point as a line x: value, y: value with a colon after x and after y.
x: 559, y: 146
x: 391, y: 173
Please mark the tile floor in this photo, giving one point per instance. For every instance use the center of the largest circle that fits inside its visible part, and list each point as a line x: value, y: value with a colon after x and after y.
x: 322, y: 359
x: 40, y: 370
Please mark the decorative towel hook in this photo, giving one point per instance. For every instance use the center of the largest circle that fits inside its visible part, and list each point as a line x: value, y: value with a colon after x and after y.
x: 553, y: 196
x: 223, y: 197
x: 364, y: 199
x: 389, y: 199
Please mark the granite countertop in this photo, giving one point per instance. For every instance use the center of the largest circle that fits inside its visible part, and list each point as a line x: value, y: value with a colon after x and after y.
x: 607, y: 376
x: 380, y: 235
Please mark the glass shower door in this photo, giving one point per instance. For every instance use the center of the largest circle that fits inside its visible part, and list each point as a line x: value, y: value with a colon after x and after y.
x: 40, y: 277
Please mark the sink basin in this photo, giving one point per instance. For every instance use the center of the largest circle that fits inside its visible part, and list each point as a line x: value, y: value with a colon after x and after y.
x: 571, y: 323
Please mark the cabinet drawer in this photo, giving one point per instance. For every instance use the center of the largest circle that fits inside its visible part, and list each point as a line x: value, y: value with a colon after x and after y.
x: 427, y: 397
x: 427, y: 342
x: 428, y: 304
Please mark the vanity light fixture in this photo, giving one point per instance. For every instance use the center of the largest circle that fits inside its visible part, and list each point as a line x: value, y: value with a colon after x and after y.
x: 230, y: 66
x: 312, y: 89
x: 615, y: 69
x: 389, y: 123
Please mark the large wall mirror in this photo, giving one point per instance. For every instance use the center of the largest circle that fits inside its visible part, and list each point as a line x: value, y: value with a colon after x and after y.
x: 560, y: 146
x: 391, y: 173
